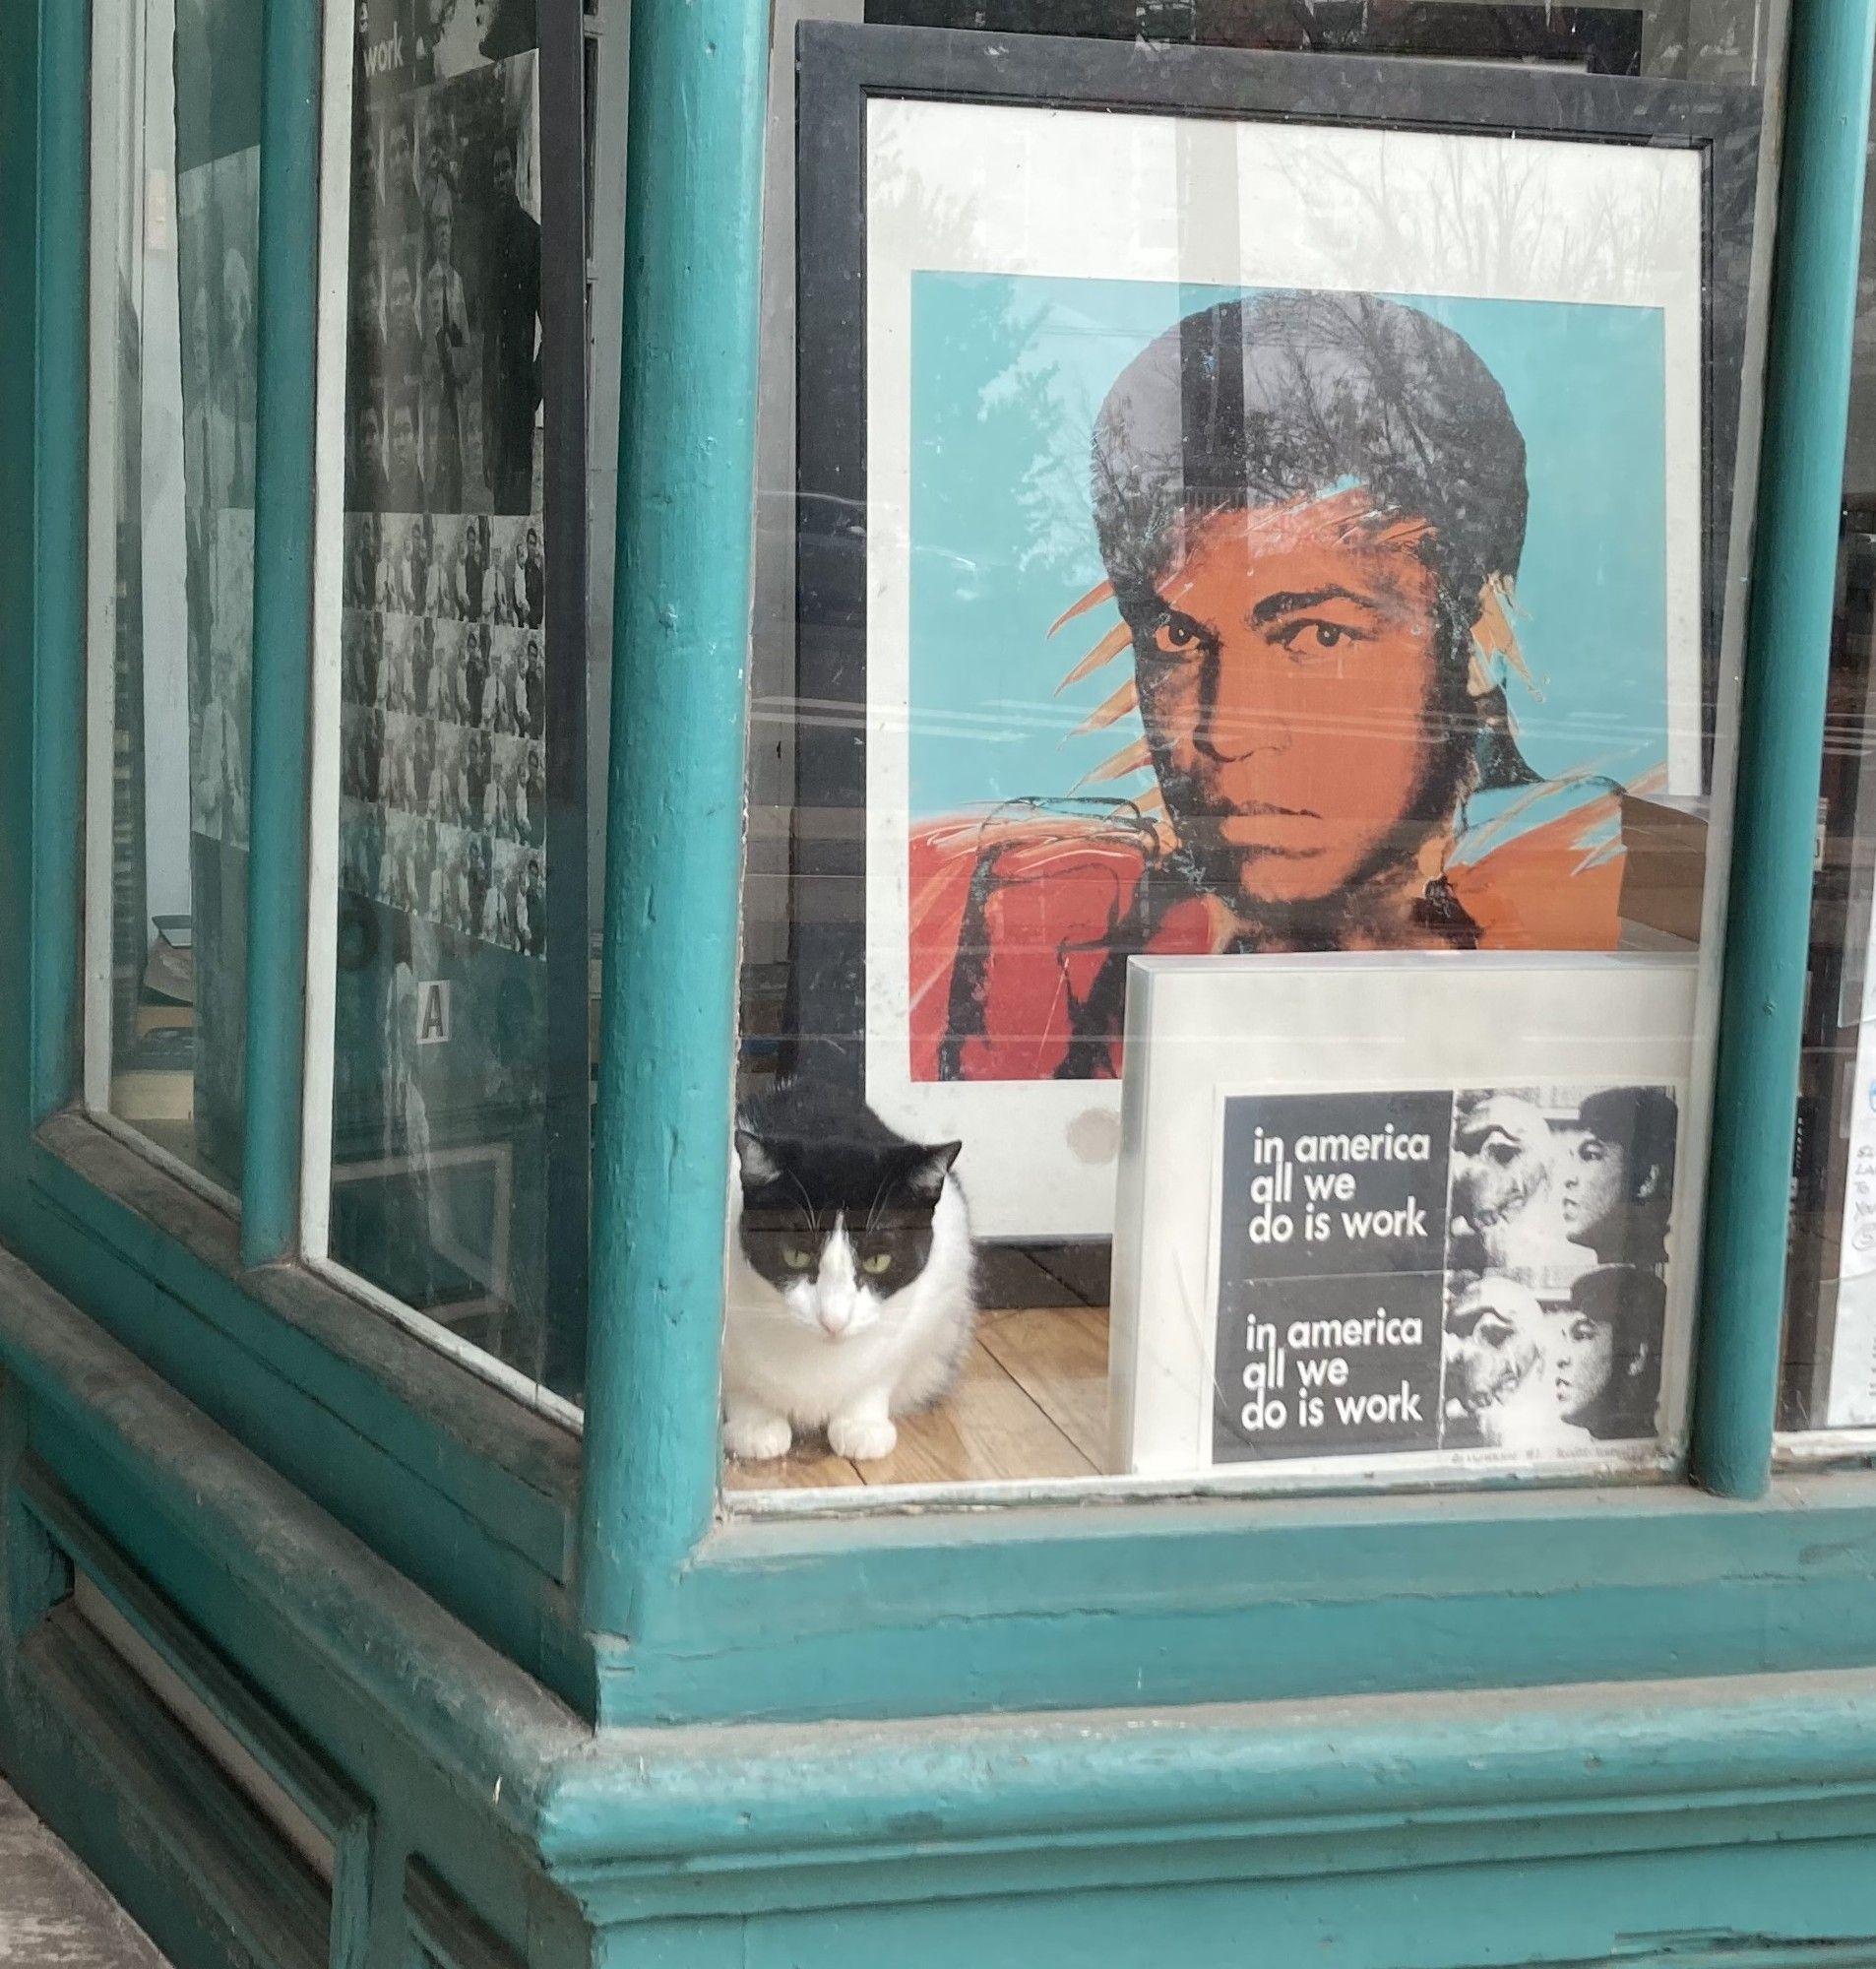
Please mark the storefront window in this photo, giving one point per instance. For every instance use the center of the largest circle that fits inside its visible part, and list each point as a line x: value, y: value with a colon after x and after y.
x: 1830, y: 1349
x: 459, y: 1090
x: 1246, y: 640
x: 176, y: 185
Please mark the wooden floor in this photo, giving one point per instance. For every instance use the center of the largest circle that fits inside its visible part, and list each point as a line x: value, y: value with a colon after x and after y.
x: 1031, y: 1403
x: 53, y: 1913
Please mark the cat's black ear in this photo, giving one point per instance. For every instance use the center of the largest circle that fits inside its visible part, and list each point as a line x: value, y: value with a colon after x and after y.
x: 927, y: 1178
x: 758, y: 1165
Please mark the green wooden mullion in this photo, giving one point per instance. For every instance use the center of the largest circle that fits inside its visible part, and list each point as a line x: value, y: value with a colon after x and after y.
x: 675, y: 832
x: 56, y: 606
x: 1781, y: 741
x: 287, y: 312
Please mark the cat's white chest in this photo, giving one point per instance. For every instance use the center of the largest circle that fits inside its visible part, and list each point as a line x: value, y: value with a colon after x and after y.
x: 803, y: 1373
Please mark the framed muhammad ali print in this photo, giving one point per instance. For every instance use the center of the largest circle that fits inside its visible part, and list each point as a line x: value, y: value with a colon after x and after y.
x: 1246, y: 503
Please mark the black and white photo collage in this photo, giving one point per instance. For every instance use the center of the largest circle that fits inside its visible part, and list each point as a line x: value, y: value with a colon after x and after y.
x: 443, y: 761
x: 442, y: 775
x: 1559, y: 1232
x: 218, y: 213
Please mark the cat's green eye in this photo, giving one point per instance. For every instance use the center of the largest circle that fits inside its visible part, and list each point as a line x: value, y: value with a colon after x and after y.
x: 796, y: 1260
x: 877, y: 1262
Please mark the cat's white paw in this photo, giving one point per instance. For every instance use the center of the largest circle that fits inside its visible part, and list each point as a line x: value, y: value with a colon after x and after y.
x: 756, y: 1436
x: 865, y: 1439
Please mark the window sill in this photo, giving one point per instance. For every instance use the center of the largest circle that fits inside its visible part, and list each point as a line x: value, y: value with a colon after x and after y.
x: 398, y: 1441
x: 1302, y: 1599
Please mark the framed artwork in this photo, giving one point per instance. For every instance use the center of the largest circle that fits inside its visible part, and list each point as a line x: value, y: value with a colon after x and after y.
x: 1602, y: 40
x: 1465, y: 1241
x: 1246, y: 502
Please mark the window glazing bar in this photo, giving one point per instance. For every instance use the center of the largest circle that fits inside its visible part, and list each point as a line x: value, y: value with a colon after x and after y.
x: 675, y: 800
x: 286, y: 316
x: 49, y: 604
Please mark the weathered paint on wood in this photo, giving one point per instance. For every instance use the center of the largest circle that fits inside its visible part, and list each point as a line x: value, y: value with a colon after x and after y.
x: 1688, y: 1805
x: 48, y: 610
x: 674, y: 810
x: 472, y: 1494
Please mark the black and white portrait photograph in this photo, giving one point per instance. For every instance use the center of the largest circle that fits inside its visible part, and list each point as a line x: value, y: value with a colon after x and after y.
x: 444, y: 371
x: 1557, y: 1248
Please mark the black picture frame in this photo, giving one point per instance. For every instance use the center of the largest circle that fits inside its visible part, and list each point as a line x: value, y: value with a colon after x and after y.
x: 1598, y: 39
x: 841, y: 67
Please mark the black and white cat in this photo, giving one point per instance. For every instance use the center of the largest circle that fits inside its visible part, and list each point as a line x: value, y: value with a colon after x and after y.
x: 850, y: 1293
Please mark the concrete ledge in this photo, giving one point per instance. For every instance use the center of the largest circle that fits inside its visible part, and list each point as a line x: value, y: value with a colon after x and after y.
x: 53, y: 1914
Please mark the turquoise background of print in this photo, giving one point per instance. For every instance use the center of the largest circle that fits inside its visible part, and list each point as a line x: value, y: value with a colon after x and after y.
x: 1008, y: 373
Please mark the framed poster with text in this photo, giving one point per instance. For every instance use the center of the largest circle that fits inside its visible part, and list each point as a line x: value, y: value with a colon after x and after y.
x: 1386, y: 1216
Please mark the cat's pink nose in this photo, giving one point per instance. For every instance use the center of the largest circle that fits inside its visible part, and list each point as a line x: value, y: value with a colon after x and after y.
x: 836, y: 1318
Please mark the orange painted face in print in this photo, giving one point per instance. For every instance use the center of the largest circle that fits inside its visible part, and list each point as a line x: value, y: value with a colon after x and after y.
x: 1288, y: 678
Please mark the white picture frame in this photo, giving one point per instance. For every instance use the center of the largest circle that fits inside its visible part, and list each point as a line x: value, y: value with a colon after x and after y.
x: 1202, y: 1030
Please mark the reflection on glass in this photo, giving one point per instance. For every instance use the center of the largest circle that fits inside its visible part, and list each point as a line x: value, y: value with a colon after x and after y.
x: 187, y: 213
x: 1276, y: 669
x: 441, y: 1096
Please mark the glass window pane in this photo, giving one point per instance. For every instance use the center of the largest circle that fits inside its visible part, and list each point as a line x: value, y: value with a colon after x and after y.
x: 1242, y: 706
x: 458, y: 1096
x: 174, y: 330
x: 1830, y: 1341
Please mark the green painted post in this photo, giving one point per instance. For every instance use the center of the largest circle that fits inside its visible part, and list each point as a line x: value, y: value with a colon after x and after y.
x: 286, y: 311
x: 675, y: 832
x: 21, y: 566
x: 1781, y: 741
x: 57, y: 727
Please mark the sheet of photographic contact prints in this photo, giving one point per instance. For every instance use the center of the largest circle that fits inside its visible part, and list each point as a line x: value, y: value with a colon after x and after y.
x: 1482, y: 1270
x: 218, y: 213
x: 439, y: 1090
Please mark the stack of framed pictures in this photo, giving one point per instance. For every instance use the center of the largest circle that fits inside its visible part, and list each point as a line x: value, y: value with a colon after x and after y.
x: 1260, y: 505
x: 1066, y: 309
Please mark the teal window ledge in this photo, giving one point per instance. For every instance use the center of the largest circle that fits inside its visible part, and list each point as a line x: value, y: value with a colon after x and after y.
x: 1107, y: 1606
x: 474, y: 1495
x: 1211, y: 1601
x: 1623, y: 1817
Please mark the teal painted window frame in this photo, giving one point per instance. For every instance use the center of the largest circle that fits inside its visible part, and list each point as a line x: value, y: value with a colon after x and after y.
x: 470, y: 1493
x: 663, y: 1611
x: 1153, y: 1604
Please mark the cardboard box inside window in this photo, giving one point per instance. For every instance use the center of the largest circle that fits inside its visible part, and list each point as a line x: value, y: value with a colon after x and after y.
x: 1664, y: 875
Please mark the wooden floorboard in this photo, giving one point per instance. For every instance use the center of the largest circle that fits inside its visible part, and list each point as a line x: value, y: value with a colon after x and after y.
x: 1031, y: 1403
x: 1058, y: 1357
x: 987, y: 1429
